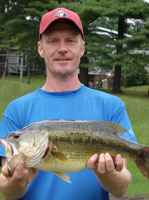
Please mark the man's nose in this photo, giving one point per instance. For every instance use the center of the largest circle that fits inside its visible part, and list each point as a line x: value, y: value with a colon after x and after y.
x: 62, y: 47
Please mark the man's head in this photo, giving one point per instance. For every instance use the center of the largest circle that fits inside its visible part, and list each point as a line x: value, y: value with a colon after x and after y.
x: 61, y: 42
x: 60, y: 15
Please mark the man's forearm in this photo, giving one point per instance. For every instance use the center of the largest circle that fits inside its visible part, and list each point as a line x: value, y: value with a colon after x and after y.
x: 115, y: 182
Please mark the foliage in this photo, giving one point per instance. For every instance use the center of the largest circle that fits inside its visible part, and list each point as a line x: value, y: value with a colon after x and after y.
x: 121, y: 46
x: 134, y: 75
x: 19, y: 24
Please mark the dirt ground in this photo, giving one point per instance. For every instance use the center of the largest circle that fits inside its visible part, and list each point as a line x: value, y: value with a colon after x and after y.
x: 136, y: 197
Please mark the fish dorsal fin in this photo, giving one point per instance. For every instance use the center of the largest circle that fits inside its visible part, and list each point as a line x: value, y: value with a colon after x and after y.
x: 63, y: 176
x: 116, y: 127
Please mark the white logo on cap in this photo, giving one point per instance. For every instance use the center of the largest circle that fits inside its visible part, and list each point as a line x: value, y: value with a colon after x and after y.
x: 61, y: 13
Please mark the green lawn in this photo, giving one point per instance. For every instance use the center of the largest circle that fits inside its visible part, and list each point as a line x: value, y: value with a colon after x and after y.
x: 10, y: 88
x: 137, y: 104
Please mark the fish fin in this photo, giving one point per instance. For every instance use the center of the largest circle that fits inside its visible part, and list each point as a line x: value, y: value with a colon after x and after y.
x: 59, y: 155
x: 143, y: 161
x: 63, y: 176
x: 116, y: 127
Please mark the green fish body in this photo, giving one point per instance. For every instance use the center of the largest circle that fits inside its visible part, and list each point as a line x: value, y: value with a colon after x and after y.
x: 61, y: 146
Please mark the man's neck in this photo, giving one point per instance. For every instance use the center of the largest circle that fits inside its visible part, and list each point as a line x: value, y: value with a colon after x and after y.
x: 61, y: 84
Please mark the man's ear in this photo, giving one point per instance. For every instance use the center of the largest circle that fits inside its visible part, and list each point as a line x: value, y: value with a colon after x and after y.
x: 40, y: 49
x: 82, y: 48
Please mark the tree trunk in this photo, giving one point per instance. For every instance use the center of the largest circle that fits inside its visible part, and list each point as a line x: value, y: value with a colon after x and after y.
x: 83, y: 76
x: 117, y: 74
x: 117, y: 80
x: 21, y: 69
x: 60, y: 1
x: 28, y: 72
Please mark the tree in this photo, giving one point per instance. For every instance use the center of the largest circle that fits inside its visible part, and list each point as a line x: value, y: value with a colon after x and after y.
x: 134, y: 75
x: 20, y: 23
x: 120, y: 11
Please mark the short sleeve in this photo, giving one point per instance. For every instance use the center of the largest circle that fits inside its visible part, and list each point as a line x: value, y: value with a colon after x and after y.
x: 120, y: 116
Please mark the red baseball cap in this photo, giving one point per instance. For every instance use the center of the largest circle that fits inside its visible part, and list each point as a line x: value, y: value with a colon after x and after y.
x: 57, y: 14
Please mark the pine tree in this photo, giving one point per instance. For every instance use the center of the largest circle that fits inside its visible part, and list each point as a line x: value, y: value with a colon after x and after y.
x: 119, y: 11
x: 19, y: 25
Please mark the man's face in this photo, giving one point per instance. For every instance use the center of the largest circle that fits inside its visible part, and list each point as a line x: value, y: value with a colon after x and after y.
x: 61, y: 47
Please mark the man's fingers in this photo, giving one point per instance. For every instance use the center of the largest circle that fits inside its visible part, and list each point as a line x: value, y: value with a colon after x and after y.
x: 101, y: 164
x: 92, y: 162
x: 109, y: 163
x: 105, y: 163
x: 5, y: 171
x: 32, y: 174
x: 20, y: 174
x: 118, y: 163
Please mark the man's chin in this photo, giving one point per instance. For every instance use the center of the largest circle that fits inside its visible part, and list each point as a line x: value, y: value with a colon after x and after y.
x: 64, y: 74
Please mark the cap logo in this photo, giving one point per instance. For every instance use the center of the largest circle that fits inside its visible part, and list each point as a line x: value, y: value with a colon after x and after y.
x: 61, y: 13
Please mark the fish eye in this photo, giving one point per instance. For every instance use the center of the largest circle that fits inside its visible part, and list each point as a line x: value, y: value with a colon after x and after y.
x: 16, y: 136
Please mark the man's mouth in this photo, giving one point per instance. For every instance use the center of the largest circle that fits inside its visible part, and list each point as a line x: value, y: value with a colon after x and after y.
x: 62, y: 59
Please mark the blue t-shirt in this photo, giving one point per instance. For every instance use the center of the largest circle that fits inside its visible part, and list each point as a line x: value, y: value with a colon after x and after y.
x: 81, y: 104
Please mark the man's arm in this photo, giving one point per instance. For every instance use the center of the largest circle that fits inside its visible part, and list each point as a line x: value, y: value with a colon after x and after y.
x: 14, y: 187
x: 111, y: 173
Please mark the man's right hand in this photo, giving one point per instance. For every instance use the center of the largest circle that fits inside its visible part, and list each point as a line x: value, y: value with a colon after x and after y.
x: 15, y: 187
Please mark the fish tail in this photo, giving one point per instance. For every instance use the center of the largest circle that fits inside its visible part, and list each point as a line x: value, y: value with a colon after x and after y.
x: 143, y: 161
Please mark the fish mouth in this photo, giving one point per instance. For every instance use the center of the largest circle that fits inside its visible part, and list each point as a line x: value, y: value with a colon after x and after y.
x: 9, y: 148
x: 4, y: 144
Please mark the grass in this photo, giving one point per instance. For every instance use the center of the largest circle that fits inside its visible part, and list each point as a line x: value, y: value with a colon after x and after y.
x: 10, y: 89
x: 137, y: 104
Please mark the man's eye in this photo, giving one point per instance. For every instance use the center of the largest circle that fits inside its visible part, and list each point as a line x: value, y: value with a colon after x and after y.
x: 71, y: 41
x: 52, y: 41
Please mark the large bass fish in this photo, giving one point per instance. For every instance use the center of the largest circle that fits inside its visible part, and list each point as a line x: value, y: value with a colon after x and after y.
x: 65, y: 145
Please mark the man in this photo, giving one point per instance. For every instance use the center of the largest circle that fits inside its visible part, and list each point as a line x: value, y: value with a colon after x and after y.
x: 61, y: 44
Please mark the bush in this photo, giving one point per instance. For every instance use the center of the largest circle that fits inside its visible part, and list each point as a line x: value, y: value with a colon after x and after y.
x: 134, y: 76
